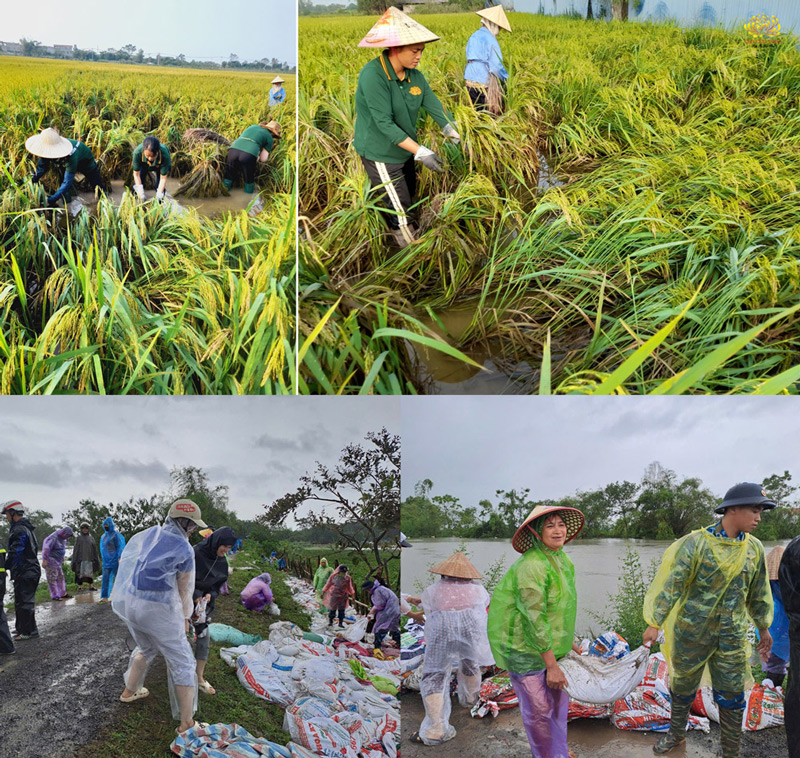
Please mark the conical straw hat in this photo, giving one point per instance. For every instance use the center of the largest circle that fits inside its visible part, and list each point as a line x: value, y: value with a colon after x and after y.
x: 773, y: 562
x: 458, y: 566
x: 274, y: 127
x: 497, y: 15
x: 277, y: 80
x: 48, y: 144
x: 573, y: 518
x: 395, y: 29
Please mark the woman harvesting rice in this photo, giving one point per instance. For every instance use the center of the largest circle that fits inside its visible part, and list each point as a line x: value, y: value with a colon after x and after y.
x: 252, y: 147
x: 389, y: 96
x: 532, y: 624
x: 485, y: 75
x: 151, y: 157
x: 277, y: 94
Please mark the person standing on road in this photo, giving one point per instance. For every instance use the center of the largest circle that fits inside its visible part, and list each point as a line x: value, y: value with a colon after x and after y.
x: 210, y: 573
x: 485, y: 75
x: 153, y: 596
x: 775, y: 665
x: 708, y: 584
x: 455, y: 630
x: 111, y: 545
x: 54, y: 548
x: 389, y: 96
x: 385, y: 611
x: 151, y: 157
x: 321, y: 576
x: 336, y: 592
x: 6, y: 643
x: 532, y: 624
x: 85, y: 558
x: 789, y: 578
x: 257, y: 595
x: 23, y: 565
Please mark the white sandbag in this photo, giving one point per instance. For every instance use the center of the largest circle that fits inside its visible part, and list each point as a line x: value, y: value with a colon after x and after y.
x: 315, y: 668
x: 355, y: 632
x: 273, y: 609
x: 266, y: 650
x: 594, y: 680
x: 230, y: 654
x: 280, y: 630
x: 322, y: 690
x: 283, y: 663
x: 290, y: 650
x: 258, y: 679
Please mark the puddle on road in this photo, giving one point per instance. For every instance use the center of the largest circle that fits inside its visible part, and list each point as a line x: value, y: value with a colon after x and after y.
x: 205, y: 206
x: 83, y: 597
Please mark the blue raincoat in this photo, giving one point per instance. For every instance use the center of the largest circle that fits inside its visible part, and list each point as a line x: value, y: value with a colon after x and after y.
x: 111, y: 546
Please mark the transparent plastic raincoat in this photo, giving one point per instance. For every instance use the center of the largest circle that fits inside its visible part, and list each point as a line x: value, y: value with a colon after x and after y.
x: 153, y: 595
x: 455, y: 633
x: 321, y: 576
x: 703, y: 596
x: 533, y: 610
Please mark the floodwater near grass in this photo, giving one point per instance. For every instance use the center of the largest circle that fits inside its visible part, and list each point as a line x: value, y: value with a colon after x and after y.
x: 205, y: 206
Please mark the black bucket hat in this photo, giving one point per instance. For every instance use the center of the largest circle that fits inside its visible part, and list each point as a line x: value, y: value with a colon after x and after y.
x: 745, y: 493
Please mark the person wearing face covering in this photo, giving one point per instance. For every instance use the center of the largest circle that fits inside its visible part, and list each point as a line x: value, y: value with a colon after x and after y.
x: 211, y: 572
x: 389, y: 96
x: 153, y: 596
x: 54, y: 549
x: 111, y: 545
x: 277, y: 94
x: 485, y: 75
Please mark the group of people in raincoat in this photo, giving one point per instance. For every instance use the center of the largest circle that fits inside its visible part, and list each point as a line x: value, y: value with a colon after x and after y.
x: 390, y: 94
x: 711, y: 585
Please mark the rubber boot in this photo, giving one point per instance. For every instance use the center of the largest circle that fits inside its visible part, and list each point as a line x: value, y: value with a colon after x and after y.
x: 227, y: 183
x: 730, y: 724
x: 679, y: 716
x: 249, y: 189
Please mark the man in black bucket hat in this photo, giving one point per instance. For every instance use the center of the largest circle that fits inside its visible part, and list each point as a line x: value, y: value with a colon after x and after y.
x: 711, y: 582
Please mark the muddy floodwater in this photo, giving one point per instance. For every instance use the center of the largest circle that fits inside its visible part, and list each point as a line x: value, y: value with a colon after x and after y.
x: 504, y: 737
x: 205, y: 206
x: 596, y: 562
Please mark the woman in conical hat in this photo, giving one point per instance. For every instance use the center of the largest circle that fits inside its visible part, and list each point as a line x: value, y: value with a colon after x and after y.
x: 389, y: 96
x: 455, y: 630
x: 485, y: 75
x: 277, y: 94
x: 532, y: 624
x: 69, y: 155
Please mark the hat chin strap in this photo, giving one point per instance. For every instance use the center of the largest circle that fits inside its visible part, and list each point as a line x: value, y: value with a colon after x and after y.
x: 491, y: 26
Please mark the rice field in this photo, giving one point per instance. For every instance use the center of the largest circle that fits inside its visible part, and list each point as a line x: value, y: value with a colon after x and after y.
x: 631, y: 224
x: 145, y: 298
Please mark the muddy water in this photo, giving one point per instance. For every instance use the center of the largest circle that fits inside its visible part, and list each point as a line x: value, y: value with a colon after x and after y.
x: 211, y: 206
x: 596, y: 566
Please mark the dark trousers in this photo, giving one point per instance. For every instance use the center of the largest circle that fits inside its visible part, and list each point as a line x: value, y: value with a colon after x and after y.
x: 150, y: 171
x: 398, y: 194
x: 333, y: 612
x: 478, y: 97
x: 380, y: 636
x: 6, y: 643
x: 238, y: 161
x: 792, y: 694
x: 24, y: 604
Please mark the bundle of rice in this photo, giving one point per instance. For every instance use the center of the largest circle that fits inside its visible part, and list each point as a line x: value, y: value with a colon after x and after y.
x: 193, y: 136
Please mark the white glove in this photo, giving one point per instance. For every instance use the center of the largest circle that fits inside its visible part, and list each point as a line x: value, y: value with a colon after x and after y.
x: 429, y: 159
x: 450, y: 132
x: 159, y: 195
x: 139, y: 190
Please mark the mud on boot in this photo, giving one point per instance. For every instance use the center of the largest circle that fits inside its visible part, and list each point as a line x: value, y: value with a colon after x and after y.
x: 667, y: 742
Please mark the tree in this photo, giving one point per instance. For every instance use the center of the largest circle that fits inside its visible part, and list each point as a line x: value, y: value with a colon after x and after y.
x: 373, y: 6
x: 514, y: 507
x: 30, y: 46
x: 363, y: 491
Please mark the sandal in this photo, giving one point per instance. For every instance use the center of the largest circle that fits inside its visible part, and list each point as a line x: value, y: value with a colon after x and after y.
x: 196, y: 724
x: 142, y: 692
x: 206, y: 687
x: 416, y: 739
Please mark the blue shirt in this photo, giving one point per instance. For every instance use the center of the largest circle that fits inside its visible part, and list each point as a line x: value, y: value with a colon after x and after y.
x: 484, y: 57
x: 276, y: 98
x: 718, y: 531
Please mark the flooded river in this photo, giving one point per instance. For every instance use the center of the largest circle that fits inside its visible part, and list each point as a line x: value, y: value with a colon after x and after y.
x: 597, y: 566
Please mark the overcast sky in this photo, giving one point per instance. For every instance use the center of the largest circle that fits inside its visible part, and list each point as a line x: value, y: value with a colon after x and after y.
x: 200, y: 29
x: 56, y: 451
x: 471, y: 446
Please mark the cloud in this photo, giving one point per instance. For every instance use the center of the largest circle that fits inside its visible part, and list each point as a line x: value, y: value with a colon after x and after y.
x: 118, y: 468
x: 307, y: 441
x: 48, y: 474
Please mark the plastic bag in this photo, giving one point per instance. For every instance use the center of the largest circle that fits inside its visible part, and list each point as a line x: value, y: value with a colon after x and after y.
x: 649, y: 711
x: 765, y: 708
x: 597, y: 680
x: 355, y: 632
x: 273, y: 609
x: 321, y: 669
x: 231, y: 635
x: 258, y: 679
x: 656, y: 675
x: 497, y: 695
x: 609, y: 645
x: 280, y: 630
x: 578, y: 710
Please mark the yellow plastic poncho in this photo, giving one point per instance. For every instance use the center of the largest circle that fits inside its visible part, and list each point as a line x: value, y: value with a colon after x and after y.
x: 533, y: 610
x: 702, y: 595
x: 321, y: 576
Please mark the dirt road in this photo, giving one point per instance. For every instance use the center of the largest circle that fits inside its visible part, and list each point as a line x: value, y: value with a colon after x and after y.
x: 58, y: 690
x: 589, y: 738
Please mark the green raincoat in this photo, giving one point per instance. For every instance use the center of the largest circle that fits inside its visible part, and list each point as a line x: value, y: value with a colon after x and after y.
x: 533, y: 610
x: 321, y: 577
x: 706, y: 590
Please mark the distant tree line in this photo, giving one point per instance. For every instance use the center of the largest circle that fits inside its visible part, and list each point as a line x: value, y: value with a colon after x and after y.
x: 660, y: 506
x: 307, y: 8
x: 132, y: 54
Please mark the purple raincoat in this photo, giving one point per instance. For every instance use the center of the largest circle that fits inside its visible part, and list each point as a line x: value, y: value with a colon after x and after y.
x: 257, y: 595
x: 54, y: 549
x: 386, y: 608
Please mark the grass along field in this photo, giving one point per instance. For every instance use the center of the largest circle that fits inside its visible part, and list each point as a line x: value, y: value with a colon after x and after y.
x: 142, y: 298
x: 665, y: 262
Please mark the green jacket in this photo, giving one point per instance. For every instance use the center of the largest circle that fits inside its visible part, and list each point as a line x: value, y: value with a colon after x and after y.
x: 162, y: 162
x: 254, y: 139
x: 387, y: 109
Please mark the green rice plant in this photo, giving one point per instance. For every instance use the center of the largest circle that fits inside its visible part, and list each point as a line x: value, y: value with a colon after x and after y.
x: 641, y: 176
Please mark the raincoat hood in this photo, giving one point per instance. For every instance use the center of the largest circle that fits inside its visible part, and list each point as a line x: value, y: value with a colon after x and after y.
x: 111, y: 543
x: 65, y: 533
x: 211, y: 570
x: 108, y: 524
x: 222, y: 536
x: 266, y: 578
